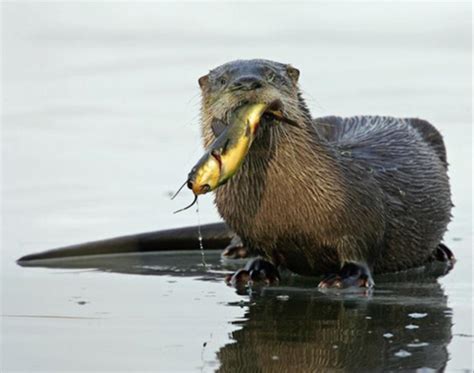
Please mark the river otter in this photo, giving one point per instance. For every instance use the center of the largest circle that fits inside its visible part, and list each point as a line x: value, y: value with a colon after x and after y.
x: 340, y: 197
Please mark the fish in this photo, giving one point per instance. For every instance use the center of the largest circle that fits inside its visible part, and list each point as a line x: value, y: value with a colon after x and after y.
x: 225, y: 155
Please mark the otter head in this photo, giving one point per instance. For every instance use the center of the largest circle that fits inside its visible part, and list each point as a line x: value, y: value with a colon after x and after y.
x: 240, y: 82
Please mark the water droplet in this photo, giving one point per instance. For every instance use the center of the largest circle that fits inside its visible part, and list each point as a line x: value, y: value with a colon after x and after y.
x: 402, y: 353
x: 283, y: 297
x: 421, y: 344
x: 411, y: 326
x: 416, y: 315
x: 388, y: 335
x: 201, y: 245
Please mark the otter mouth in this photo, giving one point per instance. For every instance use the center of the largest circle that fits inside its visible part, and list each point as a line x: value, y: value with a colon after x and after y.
x: 274, y: 113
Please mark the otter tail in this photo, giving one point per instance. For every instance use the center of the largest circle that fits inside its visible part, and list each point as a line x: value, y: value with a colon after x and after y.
x: 214, y: 236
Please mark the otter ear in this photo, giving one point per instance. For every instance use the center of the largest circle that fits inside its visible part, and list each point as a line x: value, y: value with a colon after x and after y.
x: 203, y: 80
x: 293, y: 73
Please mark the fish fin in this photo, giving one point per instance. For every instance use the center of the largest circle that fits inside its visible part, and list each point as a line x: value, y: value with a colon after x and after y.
x: 217, y: 126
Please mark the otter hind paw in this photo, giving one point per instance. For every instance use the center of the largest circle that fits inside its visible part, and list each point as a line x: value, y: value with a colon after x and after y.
x: 350, y: 275
x: 257, y: 271
x: 235, y: 250
x: 444, y: 254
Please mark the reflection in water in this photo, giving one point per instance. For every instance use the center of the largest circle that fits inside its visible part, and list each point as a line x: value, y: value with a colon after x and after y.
x: 403, y: 324
x: 348, y: 332
x: 187, y: 263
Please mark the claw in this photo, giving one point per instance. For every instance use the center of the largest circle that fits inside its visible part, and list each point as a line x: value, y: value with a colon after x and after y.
x: 257, y: 271
x: 241, y: 277
x: 351, y: 274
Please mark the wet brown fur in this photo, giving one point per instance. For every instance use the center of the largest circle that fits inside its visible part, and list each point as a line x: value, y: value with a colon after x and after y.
x: 332, y: 190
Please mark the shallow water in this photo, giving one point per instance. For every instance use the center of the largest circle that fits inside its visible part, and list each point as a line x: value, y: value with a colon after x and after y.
x: 100, y: 125
x: 296, y: 326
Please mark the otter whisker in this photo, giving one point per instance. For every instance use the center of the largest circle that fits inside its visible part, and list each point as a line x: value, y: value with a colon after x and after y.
x: 289, y: 140
x: 187, y: 207
x: 271, y: 138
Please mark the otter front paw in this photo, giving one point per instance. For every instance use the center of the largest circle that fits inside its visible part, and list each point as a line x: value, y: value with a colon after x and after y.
x: 257, y: 271
x: 351, y: 274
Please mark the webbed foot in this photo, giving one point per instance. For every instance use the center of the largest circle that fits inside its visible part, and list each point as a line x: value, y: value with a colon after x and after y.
x: 257, y: 271
x: 351, y: 274
x: 236, y: 249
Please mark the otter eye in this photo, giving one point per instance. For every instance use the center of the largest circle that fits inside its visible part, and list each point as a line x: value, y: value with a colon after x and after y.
x: 271, y: 76
x: 222, y: 81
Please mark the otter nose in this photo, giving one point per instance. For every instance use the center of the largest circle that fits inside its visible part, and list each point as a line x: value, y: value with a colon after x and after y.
x: 247, y: 83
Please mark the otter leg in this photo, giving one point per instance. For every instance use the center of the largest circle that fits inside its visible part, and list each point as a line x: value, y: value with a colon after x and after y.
x: 236, y: 249
x: 256, y: 270
x: 351, y: 274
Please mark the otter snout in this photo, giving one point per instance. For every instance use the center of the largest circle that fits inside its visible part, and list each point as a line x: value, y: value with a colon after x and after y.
x: 246, y: 83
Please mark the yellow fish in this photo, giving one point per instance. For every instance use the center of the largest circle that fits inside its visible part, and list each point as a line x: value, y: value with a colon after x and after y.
x: 227, y: 152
